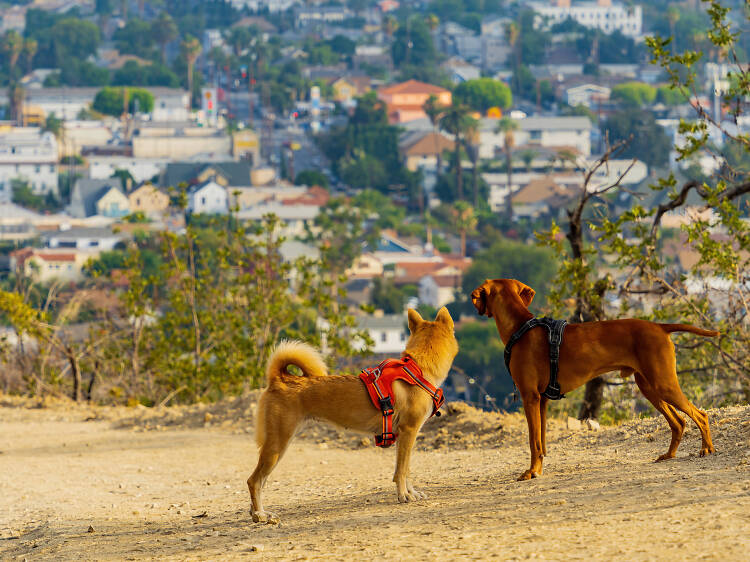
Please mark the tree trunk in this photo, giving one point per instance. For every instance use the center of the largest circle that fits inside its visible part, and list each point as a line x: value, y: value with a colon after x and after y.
x: 76, y: 372
x: 592, y: 399
x: 475, y: 181
x: 459, y: 171
x: 509, y: 197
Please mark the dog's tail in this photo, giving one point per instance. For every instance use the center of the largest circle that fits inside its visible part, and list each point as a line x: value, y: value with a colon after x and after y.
x: 294, y: 352
x: 287, y: 352
x: 669, y: 328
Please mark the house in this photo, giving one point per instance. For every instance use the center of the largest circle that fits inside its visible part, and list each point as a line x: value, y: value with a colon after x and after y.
x: 30, y: 155
x: 12, y: 18
x: 589, y: 95
x: 149, y: 200
x: 208, y: 198
x: 17, y: 223
x: 546, y: 132
x: 103, y: 166
x: 81, y: 135
x: 460, y: 70
x: 456, y: 40
x: 226, y: 173
x: 404, y: 101
x: 605, y: 15
x: 437, y: 291
x: 420, y: 149
x: 365, y: 266
x: 312, y: 15
x: 541, y: 196
x: 346, y: 88
x: 180, y: 140
x: 295, y: 217
x: 48, y: 264
x: 83, y: 238
x: 388, y: 332
x: 246, y: 146
x: 98, y: 197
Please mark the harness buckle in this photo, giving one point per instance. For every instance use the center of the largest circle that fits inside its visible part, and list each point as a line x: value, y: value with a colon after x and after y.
x: 385, y: 440
x: 386, y: 405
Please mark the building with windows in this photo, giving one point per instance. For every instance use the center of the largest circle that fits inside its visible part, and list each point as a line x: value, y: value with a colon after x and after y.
x: 604, y: 15
x: 30, y: 155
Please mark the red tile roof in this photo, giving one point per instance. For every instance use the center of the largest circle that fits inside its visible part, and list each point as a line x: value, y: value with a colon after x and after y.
x: 412, y: 87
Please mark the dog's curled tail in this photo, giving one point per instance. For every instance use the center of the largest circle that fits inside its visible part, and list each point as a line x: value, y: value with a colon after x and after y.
x: 669, y: 328
x: 294, y: 352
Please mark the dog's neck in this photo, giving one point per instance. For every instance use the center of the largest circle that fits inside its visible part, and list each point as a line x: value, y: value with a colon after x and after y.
x: 509, y: 317
x: 432, y: 369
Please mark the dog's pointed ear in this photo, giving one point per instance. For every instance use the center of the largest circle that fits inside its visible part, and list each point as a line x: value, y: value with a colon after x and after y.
x: 479, y: 300
x: 414, y: 319
x: 444, y: 317
x: 526, y: 293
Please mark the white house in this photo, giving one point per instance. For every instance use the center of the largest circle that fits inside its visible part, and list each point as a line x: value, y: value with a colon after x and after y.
x: 28, y: 154
x: 546, y: 132
x: 587, y: 94
x: 438, y: 290
x: 207, y: 198
x: 100, y: 238
x: 294, y: 217
x: 605, y: 15
x: 142, y: 169
x: 388, y: 332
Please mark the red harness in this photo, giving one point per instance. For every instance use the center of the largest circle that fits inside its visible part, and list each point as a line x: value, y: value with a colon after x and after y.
x: 379, y: 384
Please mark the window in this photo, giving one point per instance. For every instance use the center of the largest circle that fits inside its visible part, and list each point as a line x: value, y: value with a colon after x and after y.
x: 403, y: 336
x: 203, y: 200
x: 37, y: 169
x: 384, y: 337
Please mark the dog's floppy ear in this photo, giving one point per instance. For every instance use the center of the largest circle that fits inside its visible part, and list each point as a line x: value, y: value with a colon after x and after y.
x: 444, y: 317
x: 479, y: 299
x: 526, y: 293
x: 414, y: 319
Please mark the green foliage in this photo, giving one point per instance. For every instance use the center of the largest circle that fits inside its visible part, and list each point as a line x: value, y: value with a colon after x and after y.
x: 133, y: 74
x: 647, y: 141
x: 512, y: 260
x: 24, y: 196
x: 387, y: 297
x: 110, y: 101
x: 311, y: 177
x: 413, y: 44
x: 633, y: 94
x: 483, y: 93
x: 135, y: 38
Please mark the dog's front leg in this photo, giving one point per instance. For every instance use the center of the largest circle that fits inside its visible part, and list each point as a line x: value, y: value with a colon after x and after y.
x: 407, y: 435
x: 543, y: 416
x: 531, y: 407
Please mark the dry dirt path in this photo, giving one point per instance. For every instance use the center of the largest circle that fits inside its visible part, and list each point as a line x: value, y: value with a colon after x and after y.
x: 140, y: 492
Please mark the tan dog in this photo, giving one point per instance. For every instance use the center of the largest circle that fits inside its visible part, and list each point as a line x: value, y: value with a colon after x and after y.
x: 289, y: 400
x: 634, y: 347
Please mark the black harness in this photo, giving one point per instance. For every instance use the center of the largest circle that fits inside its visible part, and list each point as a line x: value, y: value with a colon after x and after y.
x: 555, y: 330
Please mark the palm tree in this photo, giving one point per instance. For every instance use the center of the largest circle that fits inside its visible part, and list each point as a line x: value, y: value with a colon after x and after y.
x: 512, y: 33
x: 434, y: 111
x: 29, y: 50
x: 12, y: 45
x: 16, y: 96
x: 390, y: 25
x: 464, y: 221
x: 471, y: 140
x: 455, y: 120
x: 163, y: 30
x: 192, y: 49
x: 507, y: 127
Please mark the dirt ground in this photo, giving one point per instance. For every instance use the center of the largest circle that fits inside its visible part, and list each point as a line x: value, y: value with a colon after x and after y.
x: 114, y: 483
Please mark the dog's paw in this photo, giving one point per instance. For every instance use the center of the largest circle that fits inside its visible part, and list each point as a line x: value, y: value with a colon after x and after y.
x: 411, y: 496
x: 664, y: 457
x: 264, y: 517
x: 706, y: 451
x: 527, y: 475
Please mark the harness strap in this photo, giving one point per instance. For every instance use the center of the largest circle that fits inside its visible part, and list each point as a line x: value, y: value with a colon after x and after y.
x: 555, y: 330
x: 382, y: 397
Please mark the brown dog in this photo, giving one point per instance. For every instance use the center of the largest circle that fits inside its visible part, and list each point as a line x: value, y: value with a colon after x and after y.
x: 635, y: 347
x: 289, y: 400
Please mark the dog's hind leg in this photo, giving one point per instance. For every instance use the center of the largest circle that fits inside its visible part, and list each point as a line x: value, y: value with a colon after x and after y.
x: 667, y: 388
x: 675, y: 421
x: 276, y: 439
x: 543, y: 415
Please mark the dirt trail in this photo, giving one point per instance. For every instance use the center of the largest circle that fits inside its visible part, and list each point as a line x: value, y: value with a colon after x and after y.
x: 153, y: 488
